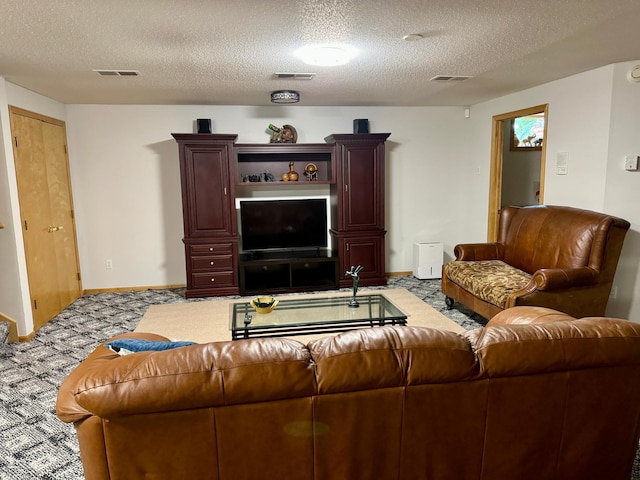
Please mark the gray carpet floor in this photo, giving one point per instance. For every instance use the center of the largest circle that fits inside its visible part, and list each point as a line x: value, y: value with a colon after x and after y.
x: 34, y: 444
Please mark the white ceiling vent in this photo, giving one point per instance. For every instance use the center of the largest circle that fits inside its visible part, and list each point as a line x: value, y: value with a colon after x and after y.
x: 450, y: 78
x: 294, y: 76
x: 118, y: 73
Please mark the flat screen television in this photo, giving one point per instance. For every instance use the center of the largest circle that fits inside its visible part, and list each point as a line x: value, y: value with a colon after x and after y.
x: 283, y: 224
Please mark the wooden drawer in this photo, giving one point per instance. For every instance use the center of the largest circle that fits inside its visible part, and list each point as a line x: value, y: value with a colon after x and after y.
x: 212, y: 249
x: 213, y: 280
x: 212, y: 263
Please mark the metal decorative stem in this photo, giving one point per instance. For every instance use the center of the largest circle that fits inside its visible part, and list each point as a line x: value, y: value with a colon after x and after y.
x: 353, y: 303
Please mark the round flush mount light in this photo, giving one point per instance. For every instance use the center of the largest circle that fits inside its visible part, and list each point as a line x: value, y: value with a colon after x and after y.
x: 634, y: 74
x: 285, y: 96
x: 326, y: 55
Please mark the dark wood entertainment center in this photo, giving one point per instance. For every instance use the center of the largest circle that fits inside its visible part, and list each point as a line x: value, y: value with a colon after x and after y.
x: 211, y: 171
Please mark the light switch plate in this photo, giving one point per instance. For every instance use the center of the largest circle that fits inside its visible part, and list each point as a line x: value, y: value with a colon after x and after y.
x: 562, y: 160
x: 631, y: 162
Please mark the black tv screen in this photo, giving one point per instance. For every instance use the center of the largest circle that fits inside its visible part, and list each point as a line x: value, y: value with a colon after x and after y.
x: 283, y: 224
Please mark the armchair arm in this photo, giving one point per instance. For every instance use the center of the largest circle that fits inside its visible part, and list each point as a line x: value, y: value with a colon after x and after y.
x: 552, y: 287
x: 560, y: 278
x: 478, y: 251
x: 67, y: 408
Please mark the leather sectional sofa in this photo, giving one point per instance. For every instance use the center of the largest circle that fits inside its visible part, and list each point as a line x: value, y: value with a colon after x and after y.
x: 535, y: 395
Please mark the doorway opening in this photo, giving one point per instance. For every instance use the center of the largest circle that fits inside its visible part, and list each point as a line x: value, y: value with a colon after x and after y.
x: 518, y: 152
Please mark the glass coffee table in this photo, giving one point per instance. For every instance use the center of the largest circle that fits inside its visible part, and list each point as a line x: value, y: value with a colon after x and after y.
x: 314, y: 315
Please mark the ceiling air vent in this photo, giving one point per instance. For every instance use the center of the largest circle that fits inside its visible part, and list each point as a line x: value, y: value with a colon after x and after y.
x: 294, y: 76
x: 449, y: 78
x: 118, y: 73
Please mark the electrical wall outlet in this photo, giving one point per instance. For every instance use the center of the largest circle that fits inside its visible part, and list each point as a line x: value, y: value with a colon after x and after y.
x: 614, y: 292
x: 108, y: 264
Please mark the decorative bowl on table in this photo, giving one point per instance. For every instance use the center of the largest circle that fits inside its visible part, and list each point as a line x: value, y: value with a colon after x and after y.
x: 264, y: 304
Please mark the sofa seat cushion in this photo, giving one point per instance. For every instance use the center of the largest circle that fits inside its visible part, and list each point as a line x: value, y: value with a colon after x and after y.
x: 490, y: 280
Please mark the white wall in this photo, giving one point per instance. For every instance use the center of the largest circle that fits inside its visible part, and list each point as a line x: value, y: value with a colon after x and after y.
x: 594, y: 117
x: 125, y: 177
x: 622, y: 194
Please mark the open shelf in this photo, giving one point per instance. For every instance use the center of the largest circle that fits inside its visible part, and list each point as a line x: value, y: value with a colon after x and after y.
x: 255, y: 160
x: 262, y: 273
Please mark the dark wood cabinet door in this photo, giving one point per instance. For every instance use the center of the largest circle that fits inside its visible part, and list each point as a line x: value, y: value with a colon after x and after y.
x: 367, y: 251
x: 209, y: 192
x: 207, y: 195
x: 360, y: 181
x: 361, y: 174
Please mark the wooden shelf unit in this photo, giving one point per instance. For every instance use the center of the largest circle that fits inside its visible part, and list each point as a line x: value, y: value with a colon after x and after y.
x: 211, y: 169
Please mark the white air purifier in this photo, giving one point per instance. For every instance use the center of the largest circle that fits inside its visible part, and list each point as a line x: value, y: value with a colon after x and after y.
x: 427, y: 260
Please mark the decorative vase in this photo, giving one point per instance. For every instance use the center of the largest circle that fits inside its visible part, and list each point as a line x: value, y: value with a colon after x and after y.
x: 292, y: 175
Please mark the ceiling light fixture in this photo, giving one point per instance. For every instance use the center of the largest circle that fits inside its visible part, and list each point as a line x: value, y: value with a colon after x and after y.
x: 326, y: 55
x: 285, y: 96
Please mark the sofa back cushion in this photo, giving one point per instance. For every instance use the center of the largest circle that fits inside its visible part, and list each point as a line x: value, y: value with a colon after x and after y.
x: 386, y: 403
x: 546, y: 236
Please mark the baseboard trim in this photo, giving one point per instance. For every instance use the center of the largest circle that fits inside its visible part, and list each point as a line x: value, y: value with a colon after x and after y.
x: 92, y: 291
x: 181, y: 285
x: 12, y: 337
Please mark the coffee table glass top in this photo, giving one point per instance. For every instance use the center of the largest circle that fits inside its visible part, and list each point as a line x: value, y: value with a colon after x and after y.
x: 314, y: 315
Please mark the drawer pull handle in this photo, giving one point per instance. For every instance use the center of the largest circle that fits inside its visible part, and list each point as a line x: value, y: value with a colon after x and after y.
x: 211, y: 249
x: 212, y: 263
x: 213, y: 279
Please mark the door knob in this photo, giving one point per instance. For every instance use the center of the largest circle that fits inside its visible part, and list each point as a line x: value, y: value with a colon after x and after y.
x: 54, y: 228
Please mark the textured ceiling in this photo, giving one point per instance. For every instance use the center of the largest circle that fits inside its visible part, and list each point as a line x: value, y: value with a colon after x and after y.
x: 225, y: 53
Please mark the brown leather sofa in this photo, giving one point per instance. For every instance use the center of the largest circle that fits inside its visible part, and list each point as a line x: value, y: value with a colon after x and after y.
x: 552, y: 256
x: 536, y: 395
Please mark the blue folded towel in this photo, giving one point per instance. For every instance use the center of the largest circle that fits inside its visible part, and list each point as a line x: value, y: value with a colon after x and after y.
x: 125, y: 346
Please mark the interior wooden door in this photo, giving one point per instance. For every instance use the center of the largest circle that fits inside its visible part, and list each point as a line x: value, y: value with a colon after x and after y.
x: 46, y: 210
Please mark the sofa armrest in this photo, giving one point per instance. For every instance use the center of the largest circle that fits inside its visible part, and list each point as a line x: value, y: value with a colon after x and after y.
x: 67, y: 407
x: 527, y: 315
x: 478, y: 251
x: 562, y: 278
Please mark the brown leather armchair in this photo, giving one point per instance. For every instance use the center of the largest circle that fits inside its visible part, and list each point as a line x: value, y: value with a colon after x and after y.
x: 552, y: 256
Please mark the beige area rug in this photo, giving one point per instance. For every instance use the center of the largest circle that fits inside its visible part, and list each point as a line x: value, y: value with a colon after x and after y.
x: 208, y: 321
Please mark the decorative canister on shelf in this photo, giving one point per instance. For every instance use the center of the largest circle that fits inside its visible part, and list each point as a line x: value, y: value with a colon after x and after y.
x: 311, y: 172
x: 291, y: 175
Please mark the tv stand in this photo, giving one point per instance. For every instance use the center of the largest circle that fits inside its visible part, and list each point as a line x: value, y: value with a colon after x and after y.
x: 267, y: 272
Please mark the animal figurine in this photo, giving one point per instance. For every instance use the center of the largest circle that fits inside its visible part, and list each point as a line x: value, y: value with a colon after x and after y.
x: 286, y: 134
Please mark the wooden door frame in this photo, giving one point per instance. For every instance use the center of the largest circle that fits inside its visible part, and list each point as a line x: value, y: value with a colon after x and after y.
x: 495, y: 179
